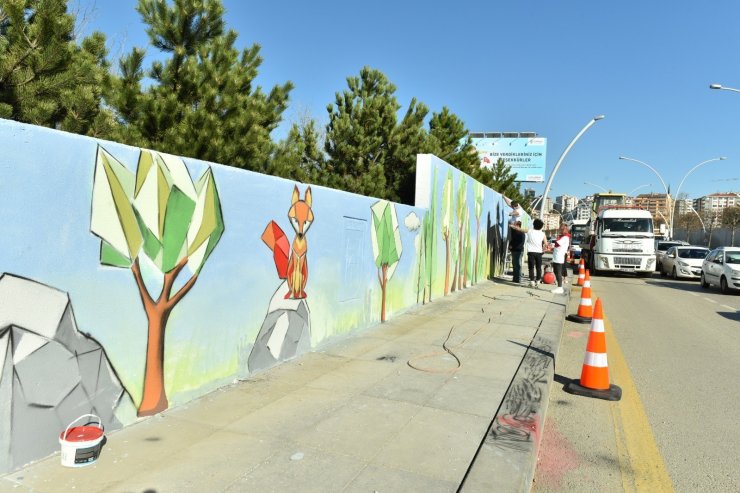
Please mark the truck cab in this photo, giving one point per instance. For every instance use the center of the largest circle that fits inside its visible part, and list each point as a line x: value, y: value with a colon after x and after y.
x: 622, y: 240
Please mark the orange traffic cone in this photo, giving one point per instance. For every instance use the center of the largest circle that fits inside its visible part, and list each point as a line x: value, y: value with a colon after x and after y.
x: 581, y: 273
x: 585, y: 310
x: 594, y: 380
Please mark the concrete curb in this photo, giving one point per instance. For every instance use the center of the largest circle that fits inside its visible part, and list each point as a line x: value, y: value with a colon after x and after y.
x: 507, y: 456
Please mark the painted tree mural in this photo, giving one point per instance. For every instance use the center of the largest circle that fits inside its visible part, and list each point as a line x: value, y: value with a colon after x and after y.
x: 447, y: 226
x: 479, y: 194
x: 430, y: 240
x: 387, y: 245
x: 158, y: 213
x: 460, y: 210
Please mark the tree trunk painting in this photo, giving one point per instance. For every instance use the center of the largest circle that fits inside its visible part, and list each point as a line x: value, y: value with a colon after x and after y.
x: 447, y: 263
x: 479, y: 192
x: 447, y: 226
x: 383, y: 284
x: 154, y: 398
x: 430, y: 241
x: 462, y: 207
x: 161, y: 214
x: 477, y: 252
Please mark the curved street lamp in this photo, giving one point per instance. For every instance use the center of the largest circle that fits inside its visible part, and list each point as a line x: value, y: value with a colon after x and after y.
x: 678, y: 190
x: 595, y: 185
x: 720, y: 86
x: 625, y: 158
x: 562, y: 156
x: 700, y: 219
x: 637, y: 188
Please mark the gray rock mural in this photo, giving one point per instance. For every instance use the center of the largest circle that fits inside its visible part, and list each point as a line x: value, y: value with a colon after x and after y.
x: 285, y: 332
x: 50, y: 373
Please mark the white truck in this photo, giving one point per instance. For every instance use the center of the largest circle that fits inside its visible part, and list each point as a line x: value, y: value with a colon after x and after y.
x: 622, y: 240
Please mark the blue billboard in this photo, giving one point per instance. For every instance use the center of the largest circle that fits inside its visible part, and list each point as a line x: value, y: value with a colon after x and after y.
x: 525, y: 155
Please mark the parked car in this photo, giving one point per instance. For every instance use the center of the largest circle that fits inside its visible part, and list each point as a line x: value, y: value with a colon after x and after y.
x: 662, y: 246
x: 722, y: 268
x: 683, y: 262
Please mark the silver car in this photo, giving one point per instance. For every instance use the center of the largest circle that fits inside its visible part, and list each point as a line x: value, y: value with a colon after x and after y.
x: 683, y: 262
x: 722, y: 268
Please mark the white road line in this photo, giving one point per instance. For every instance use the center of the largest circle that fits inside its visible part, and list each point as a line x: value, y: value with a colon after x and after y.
x: 729, y: 307
x: 711, y: 301
x: 694, y: 294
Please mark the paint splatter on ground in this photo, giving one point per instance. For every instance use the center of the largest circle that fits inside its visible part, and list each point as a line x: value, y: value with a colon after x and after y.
x: 559, y: 459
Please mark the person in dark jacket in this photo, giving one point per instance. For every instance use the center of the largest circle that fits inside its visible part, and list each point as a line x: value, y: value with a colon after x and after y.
x: 516, y: 246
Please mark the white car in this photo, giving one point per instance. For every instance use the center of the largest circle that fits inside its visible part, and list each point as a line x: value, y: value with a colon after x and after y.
x: 683, y: 262
x: 722, y: 268
x: 661, y: 246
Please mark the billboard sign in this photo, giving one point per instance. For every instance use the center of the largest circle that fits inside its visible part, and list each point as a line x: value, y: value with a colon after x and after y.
x: 525, y: 155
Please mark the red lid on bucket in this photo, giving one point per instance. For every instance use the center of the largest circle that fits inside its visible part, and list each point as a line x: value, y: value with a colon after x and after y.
x: 82, y: 434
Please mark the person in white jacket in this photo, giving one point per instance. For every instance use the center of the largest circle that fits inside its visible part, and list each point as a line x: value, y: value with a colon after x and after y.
x: 562, y: 243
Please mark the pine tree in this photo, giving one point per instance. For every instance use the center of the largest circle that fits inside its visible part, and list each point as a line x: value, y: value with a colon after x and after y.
x: 501, y: 179
x: 45, y: 77
x: 369, y: 152
x: 448, y: 140
x: 408, y: 140
x: 202, y: 101
x: 299, y: 156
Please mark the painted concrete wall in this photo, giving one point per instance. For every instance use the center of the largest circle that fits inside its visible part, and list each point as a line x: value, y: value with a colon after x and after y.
x: 137, y: 281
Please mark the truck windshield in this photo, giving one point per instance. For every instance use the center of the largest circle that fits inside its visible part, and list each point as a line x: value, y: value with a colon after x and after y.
x: 627, y: 225
x: 579, y: 234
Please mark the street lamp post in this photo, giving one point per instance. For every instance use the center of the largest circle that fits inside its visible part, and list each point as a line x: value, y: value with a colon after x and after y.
x: 661, y: 215
x: 637, y: 188
x: 595, y: 185
x: 678, y: 190
x: 720, y: 86
x: 625, y: 158
x: 700, y: 219
x: 671, y: 211
x: 562, y: 156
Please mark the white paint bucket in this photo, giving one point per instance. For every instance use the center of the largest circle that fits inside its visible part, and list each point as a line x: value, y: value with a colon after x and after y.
x: 81, y: 444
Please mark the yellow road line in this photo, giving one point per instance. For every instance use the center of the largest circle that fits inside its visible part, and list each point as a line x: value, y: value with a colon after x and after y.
x: 640, y: 462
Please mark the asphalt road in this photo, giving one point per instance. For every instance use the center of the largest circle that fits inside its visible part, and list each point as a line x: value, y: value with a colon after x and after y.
x: 674, y: 348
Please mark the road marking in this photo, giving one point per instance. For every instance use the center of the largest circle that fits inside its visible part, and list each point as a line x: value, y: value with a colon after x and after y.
x: 728, y: 307
x: 694, y: 294
x: 640, y: 461
x: 711, y: 301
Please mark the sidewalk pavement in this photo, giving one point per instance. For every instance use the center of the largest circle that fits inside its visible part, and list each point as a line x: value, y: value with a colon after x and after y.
x: 388, y: 409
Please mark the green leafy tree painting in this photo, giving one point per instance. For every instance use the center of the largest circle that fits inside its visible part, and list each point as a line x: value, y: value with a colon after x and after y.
x: 387, y: 245
x: 460, y: 209
x: 478, y: 191
x: 430, y: 241
x: 158, y: 213
x: 446, y: 225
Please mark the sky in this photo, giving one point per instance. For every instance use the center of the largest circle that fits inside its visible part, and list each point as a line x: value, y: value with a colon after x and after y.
x: 542, y: 66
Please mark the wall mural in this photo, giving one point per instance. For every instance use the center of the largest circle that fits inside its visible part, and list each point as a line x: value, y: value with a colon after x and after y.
x: 387, y: 247
x: 286, y: 330
x: 160, y: 257
x: 160, y: 214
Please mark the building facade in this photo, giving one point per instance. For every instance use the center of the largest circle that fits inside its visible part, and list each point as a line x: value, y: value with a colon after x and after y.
x: 714, y: 204
x: 659, y: 205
